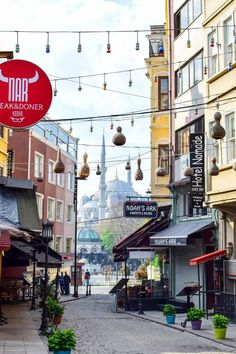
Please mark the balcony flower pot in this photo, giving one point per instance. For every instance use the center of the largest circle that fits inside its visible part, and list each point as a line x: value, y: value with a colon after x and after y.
x: 220, y: 323
x: 62, y: 341
x: 169, y: 312
x: 195, y: 315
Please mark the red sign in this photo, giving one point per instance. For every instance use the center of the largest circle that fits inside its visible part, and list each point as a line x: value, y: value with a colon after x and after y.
x: 25, y: 93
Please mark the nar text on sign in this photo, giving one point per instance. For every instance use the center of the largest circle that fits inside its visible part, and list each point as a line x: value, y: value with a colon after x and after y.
x: 140, y: 209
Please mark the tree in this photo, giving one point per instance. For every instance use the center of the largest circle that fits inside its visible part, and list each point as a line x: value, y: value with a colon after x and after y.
x: 108, y: 240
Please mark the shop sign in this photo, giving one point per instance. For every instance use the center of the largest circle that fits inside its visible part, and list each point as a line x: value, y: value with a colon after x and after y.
x: 139, y: 209
x: 25, y: 93
x: 197, y: 180
x: 169, y: 241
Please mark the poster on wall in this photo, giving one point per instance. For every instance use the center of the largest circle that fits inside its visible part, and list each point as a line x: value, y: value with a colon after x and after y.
x: 197, y: 180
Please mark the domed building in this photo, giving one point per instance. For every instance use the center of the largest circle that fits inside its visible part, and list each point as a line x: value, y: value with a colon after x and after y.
x: 108, y: 201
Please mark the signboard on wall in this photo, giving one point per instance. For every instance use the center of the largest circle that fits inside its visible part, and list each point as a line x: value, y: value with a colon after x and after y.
x: 197, y: 180
x: 137, y: 209
x: 26, y: 93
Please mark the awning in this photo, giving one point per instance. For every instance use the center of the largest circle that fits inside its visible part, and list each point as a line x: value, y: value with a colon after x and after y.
x: 207, y: 257
x: 177, y: 235
x: 54, y: 259
x: 5, y: 242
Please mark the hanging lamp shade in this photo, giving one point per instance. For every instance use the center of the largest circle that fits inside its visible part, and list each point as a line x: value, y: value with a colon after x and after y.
x: 40, y: 177
x: 127, y: 167
x: 119, y: 138
x: 98, y: 172
x: 59, y: 166
x: 84, y: 169
x: 139, y: 173
x: 188, y: 171
x: 217, y: 131
x: 214, y: 169
x: 160, y: 172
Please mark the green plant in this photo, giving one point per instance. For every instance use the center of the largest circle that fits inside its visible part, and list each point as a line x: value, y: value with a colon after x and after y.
x: 54, y: 308
x: 169, y: 309
x: 62, y: 339
x: 220, y: 321
x: 194, y: 314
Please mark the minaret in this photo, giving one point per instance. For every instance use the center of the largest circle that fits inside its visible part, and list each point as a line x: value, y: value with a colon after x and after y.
x: 102, y: 184
x: 129, y: 174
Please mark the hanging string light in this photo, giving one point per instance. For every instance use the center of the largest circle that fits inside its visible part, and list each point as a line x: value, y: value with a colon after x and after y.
x: 205, y: 70
x: 188, y: 171
x: 98, y: 172
x: 55, y: 88
x: 127, y: 166
x: 108, y: 42
x: 79, y: 87
x: 155, y: 78
x: 160, y: 171
x: 79, y: 47
x: 214, y: 169
x: 137, y: 42
x: 70, y: 129
x: 59, y: 166
x: 84, y: 170
x: 47, y: 45
x: 139, y: 173
x: 212, y: 43
x: 132, y: 121
x: 40, y: 177
x: 112, y: 125
x: 217, y: 131
x: 188, y: 40
x: 230, y: 68
x: 130, y: 80
x: 17, y: 50
x: 196, y: 111
x: 91, y: 126
x: 104, y: 82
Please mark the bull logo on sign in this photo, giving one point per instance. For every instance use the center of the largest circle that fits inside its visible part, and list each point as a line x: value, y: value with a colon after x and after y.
x: 18, y: 87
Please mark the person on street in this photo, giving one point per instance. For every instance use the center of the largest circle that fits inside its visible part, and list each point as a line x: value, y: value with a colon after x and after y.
x: 62, y: 283
x: 67, y: 281
x: 86, y: 277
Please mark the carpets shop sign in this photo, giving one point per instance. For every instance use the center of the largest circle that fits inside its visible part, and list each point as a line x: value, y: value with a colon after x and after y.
x: 138, y: 209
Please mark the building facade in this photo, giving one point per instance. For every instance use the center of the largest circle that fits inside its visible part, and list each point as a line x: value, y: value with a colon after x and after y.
x: 35, y: 151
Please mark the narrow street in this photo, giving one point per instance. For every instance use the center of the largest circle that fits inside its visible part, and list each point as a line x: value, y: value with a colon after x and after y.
x: 101, y: 331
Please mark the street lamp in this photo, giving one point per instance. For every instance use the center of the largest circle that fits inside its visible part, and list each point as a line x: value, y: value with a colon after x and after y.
x: 46, y: 238
x: 81, y: 177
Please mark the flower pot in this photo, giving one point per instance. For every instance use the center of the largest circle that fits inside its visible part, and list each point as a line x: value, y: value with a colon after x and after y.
x: 170, y: 319
x: 57, y: 320
x: 62, y: 352
x: 220, y: 333
x: 196, y: 324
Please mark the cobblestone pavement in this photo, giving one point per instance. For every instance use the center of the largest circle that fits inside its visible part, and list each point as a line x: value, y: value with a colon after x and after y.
x: 101, y: 331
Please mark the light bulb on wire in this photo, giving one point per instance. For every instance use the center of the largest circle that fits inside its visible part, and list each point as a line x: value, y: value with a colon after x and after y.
x: 130, y: 80
x: 104, y: 83
x: 47, y: 45
x: 137, y: 43
x: 108, y: 43
x: 79, y: 87
x: 55, y: 89
x: 17, y: 50
x: 79, y: 48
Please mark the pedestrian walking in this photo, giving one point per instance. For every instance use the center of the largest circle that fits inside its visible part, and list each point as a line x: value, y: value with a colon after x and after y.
x: 62, y: 283
x: 87, y: 277
x: 67, y: 281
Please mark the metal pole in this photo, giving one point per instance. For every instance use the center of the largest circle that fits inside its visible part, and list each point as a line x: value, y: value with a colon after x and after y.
x: 33, y: 307
x: 199, y: 293
x: 75, y: 251
x: 44, y: 323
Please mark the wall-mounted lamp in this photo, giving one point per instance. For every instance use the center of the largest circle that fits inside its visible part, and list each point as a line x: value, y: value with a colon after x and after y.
x: 230, y: 249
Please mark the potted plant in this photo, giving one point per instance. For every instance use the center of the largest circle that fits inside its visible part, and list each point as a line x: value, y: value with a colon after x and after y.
x: 220, y: 323
x: 170, y: 312
x: 195, y: 315
x: 62, y: 341
x: 55, y: 310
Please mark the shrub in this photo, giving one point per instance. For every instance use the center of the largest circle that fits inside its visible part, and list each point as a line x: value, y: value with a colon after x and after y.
x: 169, y: 309
x: 194, y: 314
x: 54, y: 308
x: 220, y: 321
x: 62, y: 339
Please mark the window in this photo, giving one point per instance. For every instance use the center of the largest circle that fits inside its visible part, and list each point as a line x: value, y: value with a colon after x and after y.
x: 38, y: 164
x: 51, y: 209
x: 58, y: 244
x: 182, y: 136
x: 190, y: 74
x: 228, y: 40
x: 230, y: 135
x: 51, y: 174
x: 59, y: 211
x: 70, y: 181
x: 186, y: 15
x: 163, y: 98
x: 60, y: 179
x: 163, y: 157
x: 212, y: 53
x: 68, y: 245
x: 70, y: 209
x: 39, y: 199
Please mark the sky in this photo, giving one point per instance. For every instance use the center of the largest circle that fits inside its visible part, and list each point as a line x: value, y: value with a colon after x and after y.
x: 63, y: 20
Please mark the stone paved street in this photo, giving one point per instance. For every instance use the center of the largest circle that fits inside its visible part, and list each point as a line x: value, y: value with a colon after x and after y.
x: 101, y: 331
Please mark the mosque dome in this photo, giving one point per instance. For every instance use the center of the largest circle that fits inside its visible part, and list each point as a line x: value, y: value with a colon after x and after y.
x: 87, y: 235
x: 90, y: 204
x: 117, y: 186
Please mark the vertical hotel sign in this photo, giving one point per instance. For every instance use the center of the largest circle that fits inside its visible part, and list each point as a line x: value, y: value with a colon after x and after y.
x: 197, y: 183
